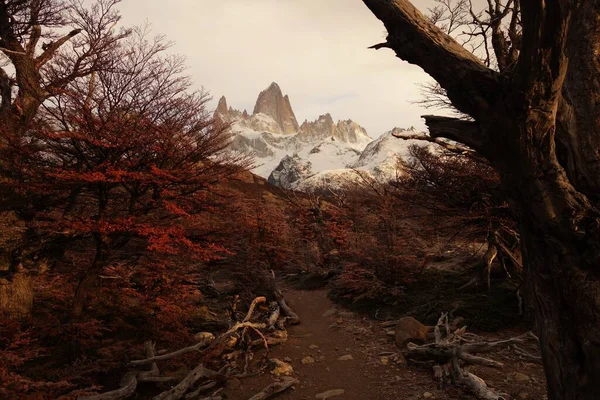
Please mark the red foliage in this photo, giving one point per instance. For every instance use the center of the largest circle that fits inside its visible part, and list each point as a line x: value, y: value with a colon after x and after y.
x: 116, y: 183
x: 121, y: 158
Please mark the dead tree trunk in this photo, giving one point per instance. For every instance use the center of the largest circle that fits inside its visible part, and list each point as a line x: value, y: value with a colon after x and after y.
x: 538, y: 123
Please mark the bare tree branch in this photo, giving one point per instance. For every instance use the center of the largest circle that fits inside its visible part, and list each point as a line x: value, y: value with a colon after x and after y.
x: 53, y: 47
x: 471, y: 86
x: 458, y: 130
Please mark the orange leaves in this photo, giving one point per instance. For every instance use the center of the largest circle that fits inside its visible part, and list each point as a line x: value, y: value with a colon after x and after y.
x: 175, y: 209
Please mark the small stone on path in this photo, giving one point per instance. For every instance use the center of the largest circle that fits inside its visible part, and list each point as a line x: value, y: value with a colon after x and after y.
x: 427, y: 395
x: 519, y: 377
x: 280, y: 368
x: 308, y: 360
x: 347, y: 357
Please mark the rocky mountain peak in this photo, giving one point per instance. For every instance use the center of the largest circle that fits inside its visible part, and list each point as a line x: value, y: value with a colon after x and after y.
x: 291, y: 169
x: 222, y: 106
x: 346, y: 131
x: 271, y: 102
x: 351, y: 132
x: 222, y: 112
x: 321, y: 128
x: 274, y: 87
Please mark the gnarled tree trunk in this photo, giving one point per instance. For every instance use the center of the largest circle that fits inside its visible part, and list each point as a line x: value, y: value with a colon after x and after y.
x: 559, y: 235
x: 567, y: 309
x: 538, y: 122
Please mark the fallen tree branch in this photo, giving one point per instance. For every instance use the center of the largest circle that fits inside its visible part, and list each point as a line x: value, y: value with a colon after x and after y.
x: 275, y: 388
x: 443, y: 353
x: 487, y: 347
x: 274, y: 317
x: 271, y: 341
x: 212, y: 349
x: 255, y: 302
x: 201, y: 389
x: 128, y: 385
x: 293, y: 318
x: 227, y: 340
x: 443, y: 320
x: 182, y: 387
x: 205, y: 341
x: 527, y: 356
x: 448, y: 352
x: 209, y: 385
x: 477, y: 386
x: 263, y: 339
x: 131, y: 379
x: 241, y: 325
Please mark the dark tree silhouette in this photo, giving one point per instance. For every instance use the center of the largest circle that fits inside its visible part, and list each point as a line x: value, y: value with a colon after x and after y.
x: 536, y: 120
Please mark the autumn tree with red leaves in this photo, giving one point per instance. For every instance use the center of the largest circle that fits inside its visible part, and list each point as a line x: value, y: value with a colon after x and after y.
x: 126, y: 154
x: 45, y: 45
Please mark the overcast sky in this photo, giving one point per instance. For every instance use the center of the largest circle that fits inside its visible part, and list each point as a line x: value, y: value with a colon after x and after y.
x: 316, y: 50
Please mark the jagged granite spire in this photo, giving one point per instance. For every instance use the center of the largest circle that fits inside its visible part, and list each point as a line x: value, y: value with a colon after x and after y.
x: 222, y: 106
x: 273, y: 103
x: 346, y: 131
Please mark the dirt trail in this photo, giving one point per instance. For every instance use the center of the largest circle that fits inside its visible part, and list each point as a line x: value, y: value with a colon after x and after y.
x: 328, y: 333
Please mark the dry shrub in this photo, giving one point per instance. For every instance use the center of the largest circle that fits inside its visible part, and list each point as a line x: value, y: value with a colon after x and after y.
x: 16, y: 290
x: 16, y: 296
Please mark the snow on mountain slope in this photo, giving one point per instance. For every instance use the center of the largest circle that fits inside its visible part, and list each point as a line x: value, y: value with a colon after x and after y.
x: 329, y: 154
x: 381, y: 156
x: 328, y: 180
x: 316, y: 155
x: 348, y: 132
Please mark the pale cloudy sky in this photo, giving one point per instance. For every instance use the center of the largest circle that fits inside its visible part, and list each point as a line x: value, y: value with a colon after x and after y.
x: 315, y: 49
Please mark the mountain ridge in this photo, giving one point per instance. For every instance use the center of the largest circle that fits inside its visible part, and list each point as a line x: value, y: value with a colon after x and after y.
x: 318, y: 154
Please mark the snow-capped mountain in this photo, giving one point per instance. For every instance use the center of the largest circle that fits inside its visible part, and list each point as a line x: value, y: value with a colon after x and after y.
x: 379, y: 160
x: 315, y: 155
